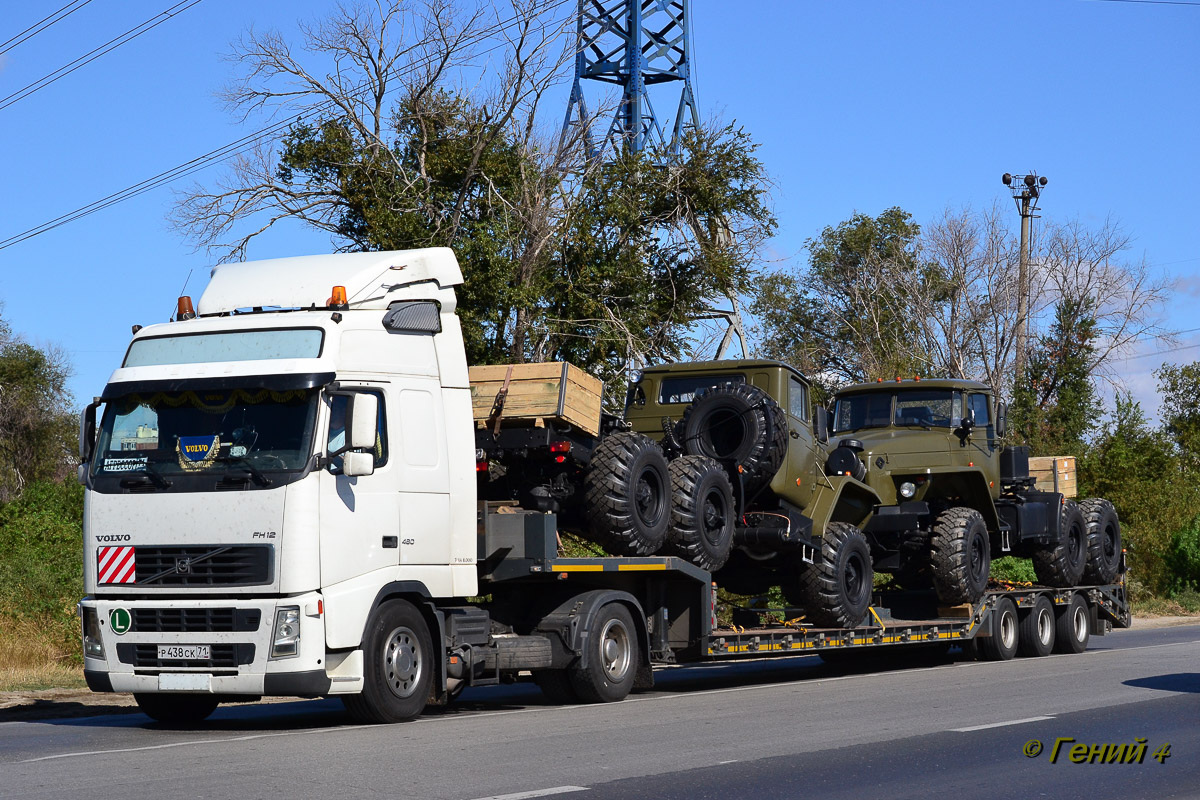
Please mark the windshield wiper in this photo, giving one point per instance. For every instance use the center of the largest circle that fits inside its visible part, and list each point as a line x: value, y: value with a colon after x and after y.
x: 255, y: 472
x: 150, y: 475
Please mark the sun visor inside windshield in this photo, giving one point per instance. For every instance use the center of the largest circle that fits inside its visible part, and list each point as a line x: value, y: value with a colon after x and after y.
x: 280, y: 383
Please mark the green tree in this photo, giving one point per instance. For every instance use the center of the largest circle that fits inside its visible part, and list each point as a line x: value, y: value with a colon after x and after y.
x: 37, y: 423
x: 1179, y: 387
x: 1055, y: 405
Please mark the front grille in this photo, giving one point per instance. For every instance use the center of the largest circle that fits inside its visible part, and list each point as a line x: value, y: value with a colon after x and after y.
x: 195, y: 620
x: 223, y: 655
x: 204, y: 565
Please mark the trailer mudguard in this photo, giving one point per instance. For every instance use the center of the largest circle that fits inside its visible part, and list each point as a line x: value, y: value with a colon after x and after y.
x: 566, y: 627
x: 840, y: 498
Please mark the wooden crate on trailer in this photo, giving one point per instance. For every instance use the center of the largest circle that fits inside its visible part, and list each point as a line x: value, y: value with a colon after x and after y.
x: 1054, y: 474
x: 535, y: 393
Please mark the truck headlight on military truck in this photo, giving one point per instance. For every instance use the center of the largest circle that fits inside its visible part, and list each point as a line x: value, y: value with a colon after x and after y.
x: 287, y: 633
x: 908, y: 489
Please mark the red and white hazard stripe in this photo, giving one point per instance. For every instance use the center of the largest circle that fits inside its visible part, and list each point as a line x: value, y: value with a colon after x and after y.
x: 116, y: 565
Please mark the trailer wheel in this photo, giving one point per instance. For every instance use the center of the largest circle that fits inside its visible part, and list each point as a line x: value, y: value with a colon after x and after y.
x: 627, y: 494
x: 960, y: 555
x: 1062, y: 565
x: 835, y: 590
x: 739, y: 422
x: 397, y: 666
x: 1038, y: 628
x: 176, y: 709
x: 556, y: 685
x: 1103, y: 540
x: 1002, y: 644
x: 701, y: 512
x: 1073, y: 627
x: 612, y: 657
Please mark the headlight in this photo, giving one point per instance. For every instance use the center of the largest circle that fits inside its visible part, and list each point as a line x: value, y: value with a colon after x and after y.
x: 907, y: 489
x: 93, y: 646
x: 287, y: 633
x: 635, y: 376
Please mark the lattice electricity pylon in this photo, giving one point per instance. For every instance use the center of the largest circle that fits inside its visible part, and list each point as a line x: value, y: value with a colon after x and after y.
x: 634, y: 44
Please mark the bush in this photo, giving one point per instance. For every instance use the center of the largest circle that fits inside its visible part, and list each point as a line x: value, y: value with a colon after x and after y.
x: 1011, y: 568
x: 41, y: 573
x: 1182, y: 557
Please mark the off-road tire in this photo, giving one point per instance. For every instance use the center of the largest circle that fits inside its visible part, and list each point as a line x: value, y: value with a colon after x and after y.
x: 612, y: 657
x: 398, y: 665
x: 1104, y: 541
x: 1061, y: 566
x: 1002, y: 644
x: 701, y: 512
x: 835, y: 590
x: 1073, y: 626
x: 627, y: 495
x: 176, y: 710
x: 1037, y: 629
x: 556, y: 685
x: 960, y: 555
x: 914, y: 560
x: 739, y: 422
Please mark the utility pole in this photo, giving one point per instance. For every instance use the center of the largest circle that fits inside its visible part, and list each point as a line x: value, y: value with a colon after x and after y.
x: 1026, y: 190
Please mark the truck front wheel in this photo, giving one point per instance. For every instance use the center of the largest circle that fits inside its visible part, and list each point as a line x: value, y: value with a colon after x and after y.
x: 612, y: 657
x: 960, y: 555
x: 835, y: 590
x: 1062, y: 565
x: 397, y: 666
x: 176, y: 709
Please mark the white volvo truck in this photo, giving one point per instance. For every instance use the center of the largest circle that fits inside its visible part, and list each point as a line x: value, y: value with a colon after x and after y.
x: 281, y: 500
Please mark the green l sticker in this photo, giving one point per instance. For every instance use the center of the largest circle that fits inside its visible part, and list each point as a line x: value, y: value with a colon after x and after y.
x: 120, y: 620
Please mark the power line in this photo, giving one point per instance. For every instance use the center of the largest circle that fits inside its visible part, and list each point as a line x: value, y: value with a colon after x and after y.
x: 42, y: 24
x: 104, y: 49
x: 233, y: 148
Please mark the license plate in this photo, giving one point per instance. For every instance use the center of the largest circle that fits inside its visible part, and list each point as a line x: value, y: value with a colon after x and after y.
x: 184, y: 652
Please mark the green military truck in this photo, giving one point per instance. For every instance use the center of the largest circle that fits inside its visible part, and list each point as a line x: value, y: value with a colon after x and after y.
x: 953, y: 496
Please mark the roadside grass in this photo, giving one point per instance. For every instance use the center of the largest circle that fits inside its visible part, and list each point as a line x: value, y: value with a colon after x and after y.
x: 34, y: 656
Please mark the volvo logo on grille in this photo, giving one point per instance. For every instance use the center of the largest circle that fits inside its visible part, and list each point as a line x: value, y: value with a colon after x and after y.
x: 183, y: 566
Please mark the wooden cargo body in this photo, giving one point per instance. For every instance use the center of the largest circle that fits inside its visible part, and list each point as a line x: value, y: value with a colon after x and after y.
x: 1046, y: 468
x: 553, y: 390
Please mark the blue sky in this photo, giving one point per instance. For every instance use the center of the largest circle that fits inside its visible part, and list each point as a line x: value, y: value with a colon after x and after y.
x: 858, y: 106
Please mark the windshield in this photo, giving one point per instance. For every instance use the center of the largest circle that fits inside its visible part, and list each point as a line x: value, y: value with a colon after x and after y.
x: 923, y: 408
x: 206, y: 431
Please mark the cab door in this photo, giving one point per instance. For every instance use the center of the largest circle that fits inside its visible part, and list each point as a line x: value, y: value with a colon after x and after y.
x: 359, y: 515
x: 796, y: 481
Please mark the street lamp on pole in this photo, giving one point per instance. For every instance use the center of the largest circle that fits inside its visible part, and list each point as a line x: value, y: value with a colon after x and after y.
x: 1026, y: 189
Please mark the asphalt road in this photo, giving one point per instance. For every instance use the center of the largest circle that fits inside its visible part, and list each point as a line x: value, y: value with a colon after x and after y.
x: 774, y: 728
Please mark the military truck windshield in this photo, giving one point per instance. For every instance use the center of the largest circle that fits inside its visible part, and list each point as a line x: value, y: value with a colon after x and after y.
x: 922, y: 408
x: 206, y: 432
x: 684, y: 390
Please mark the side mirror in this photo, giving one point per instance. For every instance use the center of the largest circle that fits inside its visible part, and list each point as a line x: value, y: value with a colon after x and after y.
x: 356, y: 464
x: 821, y: 424
x: 1001, y: 420
x: 363, y: 416
x: 87, y: 430
x: 963, y: 431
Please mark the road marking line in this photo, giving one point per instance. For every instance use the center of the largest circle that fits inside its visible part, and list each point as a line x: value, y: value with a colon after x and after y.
x: 536, y: 793
x: 999, y: 724
x: 730, y: 761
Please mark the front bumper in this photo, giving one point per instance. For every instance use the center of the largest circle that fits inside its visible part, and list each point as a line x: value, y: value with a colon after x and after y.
x: 239, y: 632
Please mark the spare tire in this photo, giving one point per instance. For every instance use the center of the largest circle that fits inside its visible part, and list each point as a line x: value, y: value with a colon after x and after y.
x: 741, y: 423
x: 627, y: 495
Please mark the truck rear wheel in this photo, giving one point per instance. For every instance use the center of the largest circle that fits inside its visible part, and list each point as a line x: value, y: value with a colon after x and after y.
x: 835, y: 590
x: 701, y: 511
x: 1073, y: 627
x: 612, y: 657
x: 739, y: 422
x: 627, y: 494
x: 176, y: 709
x: 960, y: 555
x: 1002, y: 644
x: 397, y: 666
x: 1062, y: 565
x: 1038, y: 628
x: 1103, y: 540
